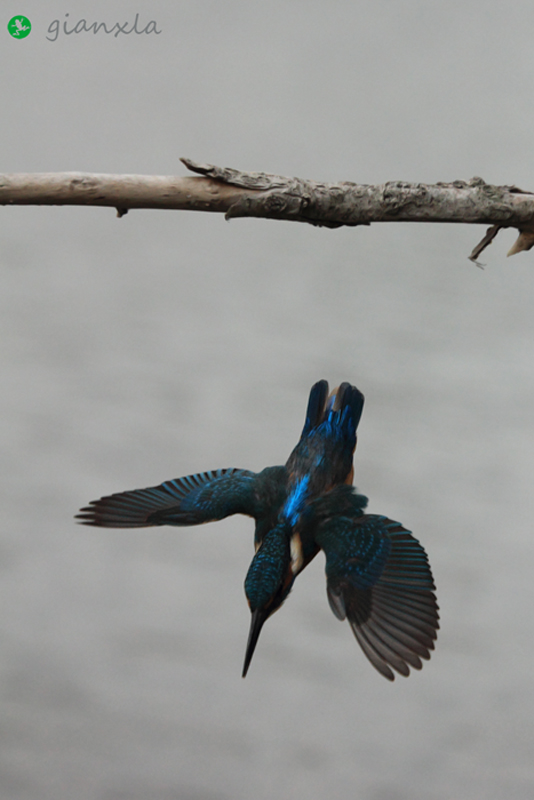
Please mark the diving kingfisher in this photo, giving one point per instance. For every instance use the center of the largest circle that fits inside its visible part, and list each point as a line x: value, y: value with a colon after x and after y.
x: 378, y: 575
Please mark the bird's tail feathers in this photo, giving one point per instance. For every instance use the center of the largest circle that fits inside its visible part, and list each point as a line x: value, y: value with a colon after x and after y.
x: 342, y: 407
x: 345, y: 405
x: 316, y: 406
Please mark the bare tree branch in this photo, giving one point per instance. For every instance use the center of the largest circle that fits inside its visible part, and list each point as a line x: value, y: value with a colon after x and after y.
x: 258, y: 194
x: 491, y: 233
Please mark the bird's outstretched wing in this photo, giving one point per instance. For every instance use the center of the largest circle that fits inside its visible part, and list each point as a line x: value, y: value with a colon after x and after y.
x: 379, y: 579
x: 191, y: 500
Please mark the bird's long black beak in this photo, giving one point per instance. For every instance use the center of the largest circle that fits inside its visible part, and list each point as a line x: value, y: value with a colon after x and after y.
x: 256, y: 624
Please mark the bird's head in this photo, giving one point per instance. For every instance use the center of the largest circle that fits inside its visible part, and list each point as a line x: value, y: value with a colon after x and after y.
x: 268, y: 582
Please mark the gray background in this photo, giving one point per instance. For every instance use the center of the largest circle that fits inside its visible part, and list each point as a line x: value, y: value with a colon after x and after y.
x: 145, y: 348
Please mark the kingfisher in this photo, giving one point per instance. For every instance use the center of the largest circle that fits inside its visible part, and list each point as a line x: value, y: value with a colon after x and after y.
x: 378, y: 575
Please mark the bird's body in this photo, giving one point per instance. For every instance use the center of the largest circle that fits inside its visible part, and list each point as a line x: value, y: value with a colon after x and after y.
x: 300, y: 508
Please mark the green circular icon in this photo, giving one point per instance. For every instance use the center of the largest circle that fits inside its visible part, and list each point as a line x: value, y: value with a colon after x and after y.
x: 19, y: 27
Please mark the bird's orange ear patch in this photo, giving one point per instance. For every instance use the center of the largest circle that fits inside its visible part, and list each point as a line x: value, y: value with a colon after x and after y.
x: 297, y: 556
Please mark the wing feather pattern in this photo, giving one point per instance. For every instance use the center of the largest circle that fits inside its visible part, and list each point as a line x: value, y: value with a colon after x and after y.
x: 191, y: 500
x: 379, y: 579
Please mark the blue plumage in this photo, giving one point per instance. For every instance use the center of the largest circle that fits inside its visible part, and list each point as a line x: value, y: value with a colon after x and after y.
x: 378, y: 576
x: 296, y: 500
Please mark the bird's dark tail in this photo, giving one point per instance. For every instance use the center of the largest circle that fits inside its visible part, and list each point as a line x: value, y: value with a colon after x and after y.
x: 316, y: 406
x: 346, y: 401
x: 344, y: 405
x: 256, y: 624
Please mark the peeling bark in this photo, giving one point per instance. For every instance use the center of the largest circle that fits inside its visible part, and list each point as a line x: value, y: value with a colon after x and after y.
x: 258, y: 194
